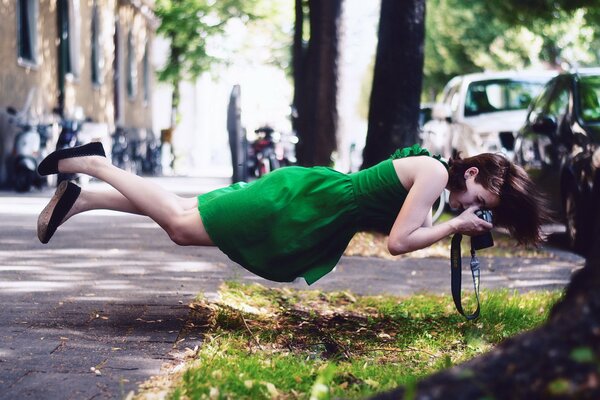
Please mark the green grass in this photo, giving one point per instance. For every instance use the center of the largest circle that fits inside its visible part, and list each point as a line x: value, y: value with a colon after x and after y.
x: 278, y: 343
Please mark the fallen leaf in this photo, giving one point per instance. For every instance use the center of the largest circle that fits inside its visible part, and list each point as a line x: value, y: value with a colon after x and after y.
x: 271, y: 389
x: 371, y: 383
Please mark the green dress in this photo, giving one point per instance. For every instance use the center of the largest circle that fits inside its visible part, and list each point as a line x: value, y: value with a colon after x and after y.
x: 298, y: 221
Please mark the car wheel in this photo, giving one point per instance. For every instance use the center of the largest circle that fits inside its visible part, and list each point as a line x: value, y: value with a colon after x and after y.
x: 576, y: 223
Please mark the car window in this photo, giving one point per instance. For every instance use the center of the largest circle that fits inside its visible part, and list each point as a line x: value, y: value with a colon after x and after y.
x: 589, y: 98
x: 500, y: 95
x: 557, y: 106
x: 448, y: 94
x: 454, y: 101
x: 451, y: 94
x: 540, y: 103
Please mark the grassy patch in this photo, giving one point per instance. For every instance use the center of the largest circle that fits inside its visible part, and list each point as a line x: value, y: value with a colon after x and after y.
x: 265, y: 343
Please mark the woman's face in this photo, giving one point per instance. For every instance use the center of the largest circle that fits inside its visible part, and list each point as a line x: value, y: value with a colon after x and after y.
x: 475, y: 194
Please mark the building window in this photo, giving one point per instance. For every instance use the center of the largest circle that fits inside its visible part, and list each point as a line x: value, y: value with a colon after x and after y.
x: 97, y: 59
x: 27, y: 16
x: 146, y: 66
x: 69, y: 25
x: 131, y: 67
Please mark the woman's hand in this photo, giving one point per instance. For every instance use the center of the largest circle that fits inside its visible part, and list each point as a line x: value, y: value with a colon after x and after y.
x: 468, y: 223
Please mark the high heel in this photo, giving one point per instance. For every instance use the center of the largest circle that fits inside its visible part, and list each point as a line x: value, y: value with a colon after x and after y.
x: 52, y: 215
x: 49, y: 165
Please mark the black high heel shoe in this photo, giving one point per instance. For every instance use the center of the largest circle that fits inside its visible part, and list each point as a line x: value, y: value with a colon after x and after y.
x: 52, y: 215
x: 49, y: 165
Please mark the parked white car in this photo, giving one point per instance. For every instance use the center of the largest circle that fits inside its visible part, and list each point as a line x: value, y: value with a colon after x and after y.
x: 482, y: 112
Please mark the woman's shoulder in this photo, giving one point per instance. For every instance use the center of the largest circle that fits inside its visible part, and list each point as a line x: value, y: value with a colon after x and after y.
x: 426, y: 162
x: 420, y: 167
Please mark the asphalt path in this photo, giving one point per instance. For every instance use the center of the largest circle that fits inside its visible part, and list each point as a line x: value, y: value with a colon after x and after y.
x: 102, y: 307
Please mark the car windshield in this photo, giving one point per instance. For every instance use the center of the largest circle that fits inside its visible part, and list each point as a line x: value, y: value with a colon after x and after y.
x: 589, y: 94
x: 500, y: 95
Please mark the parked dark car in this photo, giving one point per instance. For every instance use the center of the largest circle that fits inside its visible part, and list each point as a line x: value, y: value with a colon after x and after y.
x: 559, y: 145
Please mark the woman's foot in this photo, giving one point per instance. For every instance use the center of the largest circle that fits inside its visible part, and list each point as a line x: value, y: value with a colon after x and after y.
x: 58, y: 210
x: 49, y: 165
x: 80, y: 165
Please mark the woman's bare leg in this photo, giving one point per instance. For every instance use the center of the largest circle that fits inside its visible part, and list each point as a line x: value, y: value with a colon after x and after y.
x: 113, y: 200
x: 183, y: 225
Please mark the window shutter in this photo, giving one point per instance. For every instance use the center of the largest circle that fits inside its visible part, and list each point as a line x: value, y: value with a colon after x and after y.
x: 74, y: 36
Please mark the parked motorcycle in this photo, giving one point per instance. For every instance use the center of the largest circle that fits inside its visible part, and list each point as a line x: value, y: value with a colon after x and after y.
x: 68, y: 138
x: 137, y: 151
x: 133, y: 151
x: 120, y: 150
x: 152, y: 163
x: 29, y: 150
x: 262, y: 158
x: 269, y: 151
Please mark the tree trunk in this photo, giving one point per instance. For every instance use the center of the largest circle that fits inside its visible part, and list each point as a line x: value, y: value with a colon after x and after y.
x: 298, y: 68
x: 237, y: 140
x: 175, y: 98
x: 397, y: 80
x: 174, y: 55
x: 561, y: 359
x: 316, y: 82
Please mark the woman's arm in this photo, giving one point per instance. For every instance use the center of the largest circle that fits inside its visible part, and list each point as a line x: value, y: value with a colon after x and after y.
x: 410, y: 230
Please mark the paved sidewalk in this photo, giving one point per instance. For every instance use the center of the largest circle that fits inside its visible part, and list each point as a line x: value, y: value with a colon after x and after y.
x: 110, y: 292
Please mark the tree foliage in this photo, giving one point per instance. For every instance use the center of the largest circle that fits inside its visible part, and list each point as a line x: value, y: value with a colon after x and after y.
x: 522, y: 12
x: 189, y: 24
x: 466, y: 36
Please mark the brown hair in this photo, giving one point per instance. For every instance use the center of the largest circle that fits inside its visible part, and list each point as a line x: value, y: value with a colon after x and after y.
x: 521, y: 210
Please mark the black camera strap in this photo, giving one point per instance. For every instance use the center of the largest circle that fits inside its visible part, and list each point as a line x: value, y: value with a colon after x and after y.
x: 456, y: 276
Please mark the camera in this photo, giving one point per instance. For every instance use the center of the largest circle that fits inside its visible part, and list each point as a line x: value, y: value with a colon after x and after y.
x: 484, y: 240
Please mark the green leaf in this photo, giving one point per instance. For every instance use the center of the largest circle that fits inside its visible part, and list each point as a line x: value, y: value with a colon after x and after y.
x: 320, y: 389
x: 559, y: 387
x: 583, y: 355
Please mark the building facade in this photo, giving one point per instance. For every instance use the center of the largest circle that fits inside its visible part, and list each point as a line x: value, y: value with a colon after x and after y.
x: 87, y: 59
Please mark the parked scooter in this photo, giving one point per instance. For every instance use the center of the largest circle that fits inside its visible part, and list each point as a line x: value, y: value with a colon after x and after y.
x: 29, y: 150
x: 68, y: 138
x: 269, y: 151
x: 262, y: 158
x: 152, y: 163
x: 120, y: 152
x: 128, y: 151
